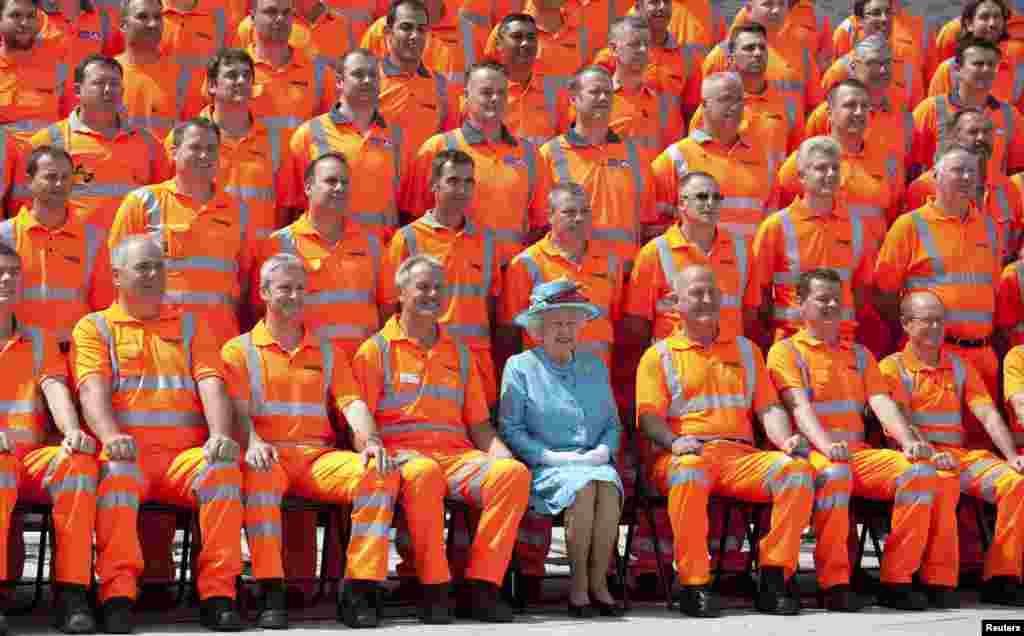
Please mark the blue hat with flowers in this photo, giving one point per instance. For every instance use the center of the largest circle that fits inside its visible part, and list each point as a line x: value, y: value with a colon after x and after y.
x: 557, y: 294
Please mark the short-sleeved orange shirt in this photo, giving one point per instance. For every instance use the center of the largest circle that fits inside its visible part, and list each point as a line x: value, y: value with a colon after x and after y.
x: 1010, y: 302
x: 288, y: 399
x: 92, y: 32
x: 648, y: 118
x: 806, y: 26
x: 777, y: 119
x: 1007, y: 87
x: 28, y: 357
x: 153, y: 367
x: 330, y: 36
x: 1013, y: 383
x: 911, y: 55
x: 424, y: 400
x: 673, y: 72
x: 422, y: 104
x: 1012, y: 48
x: 36, y: 88
x: 437, y: 56
x: 890, y: 126
x: 651, y: 295
x: 789, y: 68
x: 194, y: 36
x: 560, y: 53
x: 160, y: 95
x: 930, y: 121
x: 707, y: 392
x: 698, y: 26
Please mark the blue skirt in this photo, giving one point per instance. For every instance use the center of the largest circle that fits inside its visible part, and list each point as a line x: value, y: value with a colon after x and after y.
x: 554, y: 488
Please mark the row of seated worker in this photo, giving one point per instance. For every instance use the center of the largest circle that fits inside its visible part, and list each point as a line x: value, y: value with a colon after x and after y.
x: 166, y: 412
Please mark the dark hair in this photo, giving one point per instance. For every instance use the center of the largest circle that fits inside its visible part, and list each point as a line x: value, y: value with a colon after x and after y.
x: 515, y: 17
x: 858, y: 7
x: 392, y: 15
x: 850, y: 82
x: 198, y: 122
x: 307, y: 175
x: 443, y: 158
x: 971, y: 8
x: 227, y: 56
x: 967, y: 41
x: 32, y: 163
x: 749, y: 27
x: 822, y: 274
x: 96, y: 58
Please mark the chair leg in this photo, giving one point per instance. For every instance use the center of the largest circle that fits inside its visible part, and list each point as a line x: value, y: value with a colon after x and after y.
x: 624, y: 561
x: 861, y: 542
x: 44, y: 544
x: 184, y: 522
x: 663, y: 575
x: 716, y: 572
x: 325, y: 553
x: 985, y: 530
x: 754, y: 537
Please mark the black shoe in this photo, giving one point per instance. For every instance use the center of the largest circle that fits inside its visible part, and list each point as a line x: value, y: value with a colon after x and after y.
x: 902, y: 596
x: 774, y: 596
x: 841, y: 598
x: 118, y: 615
x: 481, y: 601
x: 698, y: 601
x: 942, y: 596
x: 74, y: 615
x: 610, y: 610
x: 3, y: 625
x: 528, y: 589
x: 1002, y: 590
x: 581, y: 611
x: 274, y: 614
x: 218, y: 613
x: 436, y: 604
x: 359, y: 604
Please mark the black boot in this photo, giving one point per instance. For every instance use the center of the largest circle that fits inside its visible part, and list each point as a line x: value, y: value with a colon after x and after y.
x: 481, y: 600
x: 1002, y: 590
x: 841, y: 598
x: 699, y: 601
x: 218, y: 613
x: 274, y: 614
x: 774, y: 596
x: 118, y: 615
x: 436, y: 604
x: 359, y: 604
x: 902, y: 596
x: 73, y: 616
x: 942, y: 596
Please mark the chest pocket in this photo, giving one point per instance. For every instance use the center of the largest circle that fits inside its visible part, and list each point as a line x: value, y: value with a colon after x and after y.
x: 130, y: 351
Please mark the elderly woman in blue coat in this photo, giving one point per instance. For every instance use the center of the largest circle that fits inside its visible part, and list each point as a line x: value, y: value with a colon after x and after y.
x: 558, y: 414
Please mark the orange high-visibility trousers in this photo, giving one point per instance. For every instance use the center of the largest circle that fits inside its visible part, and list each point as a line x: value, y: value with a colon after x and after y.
x: 924, y: 534
x: 50, y: 474
x: 985, y: 476
x: 321, y: 474
x: 499, y: 488
x: 183, y: 479
x: 739, y: 470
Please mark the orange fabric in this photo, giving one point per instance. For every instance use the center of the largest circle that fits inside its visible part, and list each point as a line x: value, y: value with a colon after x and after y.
x: 36, y: 89
x: 804, y: 25
x: 650, y: 119
x: 1007, y: 86
x: 1010, y: 302
x: 912, y: 50
x: 332, y: 35
x: 537, y: 111
x: 429, y: 422
x: 594, y: 15
x: 54, y: 262
x: 424, y: 103
x: 106, y: 170
x: 965, y: 247
x: 652, y: 297
x: 1012, y: 48
x: 378, y: 152
x: 1013, y: 384
x: 31, y: 357
x: 560, y: 53
x: 620, y: 184
x: 902, y: 94
x: 353, y: 264
x: 745, y: 174
x: 1007, y: 152
x: 194, y: 36
x: 208, y: 232
x: 821, y: 241
x: 698, y: 25
x: 10, y: 152
x: 93, y: 32
x: 673, y: 70
x: 438, y: 55
x: 880, y: 130
x: 159, y: 95
x: 777, y: 119
x: 599, y: 273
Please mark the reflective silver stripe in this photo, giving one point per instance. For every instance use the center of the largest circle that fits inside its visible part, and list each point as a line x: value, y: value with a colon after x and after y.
x: 338, y: 296
x: 835, y: 472
x: 343, y: 331
x: 680, y: 476
x: 117, y: 500
x: 202, y: 262
x: 559, y: 159
x: 8, y: 480
x: 51, y: 293
x: 831, y: 502
x: 376, y: 500
x: 26, y: 125
x: 429, y: 427
x: 160, y: 418
x: 121, y: 469
x: 152, y: 383
x: 252, y: 192
x: 596, y: 347
x: 262, y: 529
x: 371, y: 530
x: 20, y: 434
x: 941, y: 117
x: 983, y: 317
x: 915, y: 471
x: 798, y: 480
x: 793, y: 313
x: 846, y: 436
x: 259, y: 404
x: 474, y: 490
x: 73, y: 483
x: 612, y: 235
x: 263, y: 498
x: 941, y: 276
x: 198, y: 298
x: 392, y: 399
x: 222, y: 492
x: 913, y: 497
x: 16, y: 407
x: 463, y: 330
x: 953, y: 438
x: 838, y: 407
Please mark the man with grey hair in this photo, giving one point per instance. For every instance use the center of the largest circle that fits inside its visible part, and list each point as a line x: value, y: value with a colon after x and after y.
x: 152, y: 388
x: 285, y: 414
x: 426, y: 394
x: 740, y: 163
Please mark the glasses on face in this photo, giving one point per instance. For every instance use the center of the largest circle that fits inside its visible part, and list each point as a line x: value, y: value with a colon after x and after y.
x: 705, y: 197
x: 936, y: 321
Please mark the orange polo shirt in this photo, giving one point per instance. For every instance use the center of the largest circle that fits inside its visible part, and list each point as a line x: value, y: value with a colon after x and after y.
x: 777, y: 118
x: 10, y: 151
x: 508, y: 183
x: 422, y: 399
x: 838, y: 379
x: 906, y: 88
x: 745, y: 175
x: 437, y: 56
x: 194, y: 36
x: 1010, y: 302
x: 1007, y: 87
x: 599, y: 273
x: 158, y: 96
x: 561, y: 53
x: 648, y: 118
x: 594, y: 18
x: 958, y: 260
x: 29, y: 357
x: 808, y: 27
x: 65, y: 271
x: 620, y: 184
x: 538, y: 111
x: 1013, y: 383
x: 1012, y: 48
x: 36, y: 89
x: 698, y: 26
x: 286, y: 379
x: 911, y: 56
x: 789, y: 68
x: 424, y: 103
x: 651, y: 295
x: 106, y: 169
x: 930, y: 119
x: 730, y: 368
x: 330, y: 36
x: 937, y: 391
x: 889, y: 126
x: 93, y: 32
x: 153, y: 385
x: 378, y: 152
x: 345, y: 282
x: 207, y: 254
x: 831, y: 241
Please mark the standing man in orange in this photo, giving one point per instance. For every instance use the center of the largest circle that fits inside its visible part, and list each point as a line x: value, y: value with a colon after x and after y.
x: 65, y: 265
x: 320, y: 31
x: 111, y: 157
x: 934, y: 387
x: 285, y: 382
x: 700, y: 441
x: 508, y: 174
x: 428, y: 400
x: 826, y: 381
x: 354, y: 128
x: 194, y: 30
x: 208, y: 251
x: 610, y: 169
x: 151, y: 383
x: 64, y: 475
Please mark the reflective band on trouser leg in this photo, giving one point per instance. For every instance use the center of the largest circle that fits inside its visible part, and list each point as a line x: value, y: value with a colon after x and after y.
x: 501, y: 489
x: 985, y: 476
x: 830, y: 518
x: 373, y: 508
x: 118, y: 553
x: 263, y: 491
x: 422, y: 498
x: 8, y: 498
x: 218, y: 492
x: 71, y: 481
x: 790, y: 484
x: 533, y: 542
x: 685, y: 481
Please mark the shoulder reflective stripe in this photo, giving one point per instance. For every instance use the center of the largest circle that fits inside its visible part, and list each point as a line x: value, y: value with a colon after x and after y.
x: 409, y: 236
x: 1018, y: 267
x: 1018, y: 82
x: 792, y: 247
x: 924, y: 233
x: 908, y: 131
x: 318, y: 137
x: 668, y: 369
x: 375, y: 252
x: 908, y: 382
x: 908, y: 81
x: 3, y: 158
x: 990, y: 230
x: 668, y: 264
x: 805, y: 372
x: 397, y: 139
x: 857, y: 229
x: 739, y: 245
x: 485, y: 285
x: 638, y: 187
x: 464, y: 370
x: 385, y: 356
x: 535, y: 277
x: 530, y: 155
x: 255, y: 367
x: 319, y: 70
x: 57, y: 139
x: 1005, y: 215
x: 104, y: 26
x: 941, y: 113
x: 151, y: 206
x: 219, y: 25
x: 552, y: 84
x: 560, y: 160
x: 790, y: 109
x: 959, y: 376
x: 153, y: 147
x: 451, y: 141
x: 181, y: 84
x: 441, y: 88
x: 61, y: 71
x: 327, y: 355
x: 584, y: 46
x: 36, y: 336
x: 188, y: 333
x: 286, y: 241
x: 7, y: 235
x: 747, y: 352
x: 467, y: 25
x: 104, y: 329
x: 862, y: 358
x: 1008, y: 119
x: 92, y: 247
x: 664, y: 104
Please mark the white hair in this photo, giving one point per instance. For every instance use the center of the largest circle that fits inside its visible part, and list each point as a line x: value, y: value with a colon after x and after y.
x: 819, y: 144
x: 716, y: 80
x: 874, y: 42
x: 281, y: 260
x: 119, y: 253
x: 940, y: 163
x: 405, y: 269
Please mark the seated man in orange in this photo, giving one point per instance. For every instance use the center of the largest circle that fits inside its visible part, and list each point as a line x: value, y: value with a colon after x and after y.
x: 285, y: 414
x: 64, y: 475
x: 934, y: 387
x: 151, y: 383
x: 700, y: 440
x: 1013, y: 389
x: 426, y: 396
x: 826, y: 382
